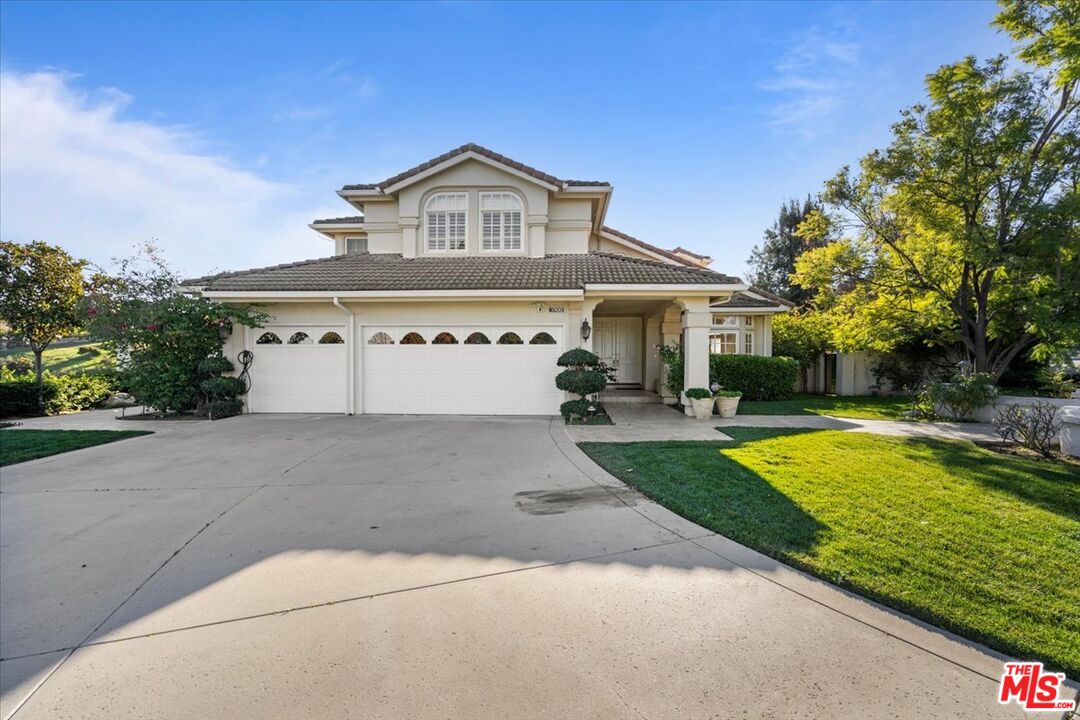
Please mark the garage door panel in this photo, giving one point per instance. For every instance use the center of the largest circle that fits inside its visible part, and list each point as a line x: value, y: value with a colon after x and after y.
x: 298, y: 378
x: 461, y: 379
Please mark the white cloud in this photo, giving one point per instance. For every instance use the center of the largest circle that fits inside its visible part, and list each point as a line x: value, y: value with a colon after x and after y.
x: 814, y: 77
x: 76, y: 172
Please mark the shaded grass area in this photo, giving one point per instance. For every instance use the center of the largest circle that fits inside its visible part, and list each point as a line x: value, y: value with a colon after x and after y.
x: 984, y: 545
x: 18, y: 446
x: 65, y: 359
x: 863, y: 407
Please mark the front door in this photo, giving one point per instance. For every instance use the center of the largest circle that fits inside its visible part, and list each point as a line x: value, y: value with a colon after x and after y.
x: 618, y: 343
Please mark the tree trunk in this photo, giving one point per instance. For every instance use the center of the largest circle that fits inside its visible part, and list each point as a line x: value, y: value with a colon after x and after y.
x: 37, y: 376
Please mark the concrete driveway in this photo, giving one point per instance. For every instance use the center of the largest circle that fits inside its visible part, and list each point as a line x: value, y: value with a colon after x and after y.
x: 375, y: 567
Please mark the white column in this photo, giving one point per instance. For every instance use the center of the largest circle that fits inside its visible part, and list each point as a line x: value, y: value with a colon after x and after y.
x: 696, y: 322
x: 537, y: 235
x: 409, y: 228
x: 766, y: 335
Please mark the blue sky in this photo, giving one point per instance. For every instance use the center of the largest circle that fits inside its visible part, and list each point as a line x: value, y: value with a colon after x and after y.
x: 222, y: 129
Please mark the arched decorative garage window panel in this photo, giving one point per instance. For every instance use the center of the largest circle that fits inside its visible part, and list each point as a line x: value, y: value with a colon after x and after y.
x: 380, y: 338
x: 542, y: 338
x: 268, y: 338
x: 444, y: 338
x: 300, y: 338
x: 331, y: 338
x: 477, y: 338
x: 510, y: 338
x: 413, y: 338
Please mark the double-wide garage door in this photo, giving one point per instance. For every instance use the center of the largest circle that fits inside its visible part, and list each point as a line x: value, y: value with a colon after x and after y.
x: 461, y: 370
x: 423, y: 370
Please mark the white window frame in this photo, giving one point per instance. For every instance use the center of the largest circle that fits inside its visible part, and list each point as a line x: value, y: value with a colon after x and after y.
x: 358, y: 239
x: 748, y: 342
x: 723, y: 340
x: 501, y: 213
x: 748, y: 321
x: 725, y: 320
x: 428, y: 213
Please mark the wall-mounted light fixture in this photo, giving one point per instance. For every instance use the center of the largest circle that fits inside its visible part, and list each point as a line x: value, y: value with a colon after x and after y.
x: 539, y: 306
x: 586, y: 330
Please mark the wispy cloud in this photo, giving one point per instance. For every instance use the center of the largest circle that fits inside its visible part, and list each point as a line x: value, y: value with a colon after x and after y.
x: 814, y: 79
x: 76, y: 171
x: 341, y: 70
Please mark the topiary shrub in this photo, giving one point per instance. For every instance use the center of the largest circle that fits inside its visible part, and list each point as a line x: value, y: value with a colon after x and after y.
x: 578, y: 357
x: 756, y: 377
x: 698, y: 393
x: 220, y: 409
x: 583, y: 376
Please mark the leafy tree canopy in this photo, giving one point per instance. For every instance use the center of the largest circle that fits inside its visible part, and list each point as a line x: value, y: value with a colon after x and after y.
x: 41, y: 292
x: 964, y: 229
x: 790, y: 236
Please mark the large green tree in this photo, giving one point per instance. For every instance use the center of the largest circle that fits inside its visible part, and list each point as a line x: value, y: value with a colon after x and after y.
x: 41, y: 294
x: 965, y: 226
x: 773, y: 261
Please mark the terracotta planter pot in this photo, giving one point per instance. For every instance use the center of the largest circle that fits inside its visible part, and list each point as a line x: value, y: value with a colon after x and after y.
x: 702, y: 407
x: 727, y: 406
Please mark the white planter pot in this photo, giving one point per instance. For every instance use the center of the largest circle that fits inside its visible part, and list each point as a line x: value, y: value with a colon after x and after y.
x: 727, y: 406
x: 1070, y: 430
x: 702, y: 407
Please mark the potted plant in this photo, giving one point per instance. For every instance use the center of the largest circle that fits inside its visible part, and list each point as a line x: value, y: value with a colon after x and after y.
x: 727, y: 402
x: 701, y: 401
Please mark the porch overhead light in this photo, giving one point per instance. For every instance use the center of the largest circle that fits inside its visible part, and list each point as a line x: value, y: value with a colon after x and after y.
x: 586, y: 331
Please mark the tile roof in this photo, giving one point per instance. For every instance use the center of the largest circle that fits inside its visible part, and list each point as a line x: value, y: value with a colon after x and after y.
x: 479, y: 150
x: 350, y: 220
x: 641, y: 243
x: 691, y: 253
x: 742, y: 300
x: 366, y: 272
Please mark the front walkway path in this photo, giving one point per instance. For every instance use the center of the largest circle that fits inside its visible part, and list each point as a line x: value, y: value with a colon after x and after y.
x: 636, y: 423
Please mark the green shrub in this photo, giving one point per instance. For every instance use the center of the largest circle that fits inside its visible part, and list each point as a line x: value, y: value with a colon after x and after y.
x: 578, y: 357
x: 672, y: 357
x: 958, y: 398
x: 756, y: 377
x: 583, y: 376
x: 88, y: 350
x: 579, y: 407
x: 222, y: 388
x: 727, y: 393
x: 215, y: 365
x: 581, y: 381
x: 219, y: 409
x: 60, y: 393
x: 20, y: 365
x: 698, y: 393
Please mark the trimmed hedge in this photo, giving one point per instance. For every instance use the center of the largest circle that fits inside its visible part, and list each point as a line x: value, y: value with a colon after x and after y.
x: 61, y: 393
x: 220, y: 409
x: 757, y: 377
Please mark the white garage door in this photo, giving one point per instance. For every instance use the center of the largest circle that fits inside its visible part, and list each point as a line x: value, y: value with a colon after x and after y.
x: 298, y: 369
x: 461, y: 370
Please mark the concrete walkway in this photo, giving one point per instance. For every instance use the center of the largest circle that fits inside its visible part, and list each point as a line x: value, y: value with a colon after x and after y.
x: 637, y: 423
x: 394, y: 567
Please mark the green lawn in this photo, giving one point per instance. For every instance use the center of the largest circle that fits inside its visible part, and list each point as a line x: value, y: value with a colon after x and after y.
x: 18, y: 446
x: 64, y: 359
x: 982, y: 544
x: 866, y: 407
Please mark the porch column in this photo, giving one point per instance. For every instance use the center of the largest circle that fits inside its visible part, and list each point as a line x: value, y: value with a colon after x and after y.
x: 670, y: 334
x: 696, y: 323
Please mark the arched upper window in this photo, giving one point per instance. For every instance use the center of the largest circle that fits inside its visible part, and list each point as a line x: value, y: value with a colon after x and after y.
x: 542, y: 338
x: 444, y: 338
x: 445, y: 221
x: 268, y: 338
x: 510, y: 338
x: 500, y: 221
x: 380, y: 338
x: 477, y: 338
x: 413, y: 338
x: 331, y: 338
x: 300, y: 338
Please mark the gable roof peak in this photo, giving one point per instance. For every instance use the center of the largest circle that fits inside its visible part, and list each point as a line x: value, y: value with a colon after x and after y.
x: 479, y: 150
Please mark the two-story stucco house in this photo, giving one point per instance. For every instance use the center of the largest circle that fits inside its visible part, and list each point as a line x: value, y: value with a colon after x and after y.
x: 461, y: 282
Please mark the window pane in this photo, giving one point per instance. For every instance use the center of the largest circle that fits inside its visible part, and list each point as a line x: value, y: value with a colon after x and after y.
x: 748, y: 343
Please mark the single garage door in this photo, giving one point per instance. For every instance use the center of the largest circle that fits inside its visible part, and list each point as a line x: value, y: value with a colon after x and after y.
x: 461, y: 370
x: 298, y: 369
